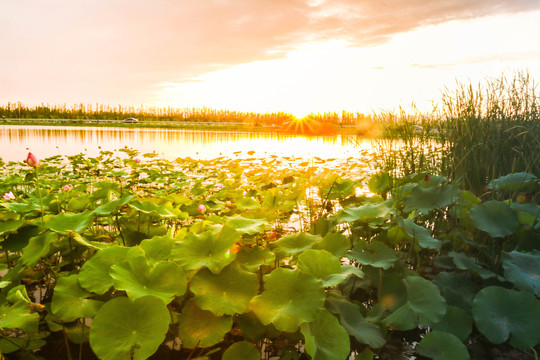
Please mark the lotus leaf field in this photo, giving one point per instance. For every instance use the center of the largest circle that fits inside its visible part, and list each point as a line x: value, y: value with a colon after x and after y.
x: 132, y: 257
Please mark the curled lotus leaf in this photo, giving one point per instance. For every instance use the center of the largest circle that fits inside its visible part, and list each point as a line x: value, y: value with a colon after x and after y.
x: 501, y: 314
x: 208, y: 249
x: 228, y: 292
x: 290, y: 298
x: 523, y: 270
x: 241, y: 350
x: 129, y: 329
x: 495, y: 217
x: 201, y: 328
x: 38, y: 247
x: 325, y: 338
x: 439, y: 345
x: 164, y: 280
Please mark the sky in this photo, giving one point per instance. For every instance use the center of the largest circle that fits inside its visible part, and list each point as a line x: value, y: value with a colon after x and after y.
x: 296, y: 56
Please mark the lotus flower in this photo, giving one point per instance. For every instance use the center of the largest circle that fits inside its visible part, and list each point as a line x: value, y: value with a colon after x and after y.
x: 67, y: 187
x: 32, y: 160
x: 137, y: 160
x: 9, y: 196
x: 202, y: 208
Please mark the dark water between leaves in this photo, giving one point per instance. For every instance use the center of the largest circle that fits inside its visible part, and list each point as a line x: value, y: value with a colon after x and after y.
x: 47, y: 141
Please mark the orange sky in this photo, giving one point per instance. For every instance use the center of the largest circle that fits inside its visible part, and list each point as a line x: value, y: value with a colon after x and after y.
x: 297, y: 56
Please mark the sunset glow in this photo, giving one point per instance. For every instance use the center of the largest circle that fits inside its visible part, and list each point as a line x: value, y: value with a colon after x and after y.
x: 308, y: 57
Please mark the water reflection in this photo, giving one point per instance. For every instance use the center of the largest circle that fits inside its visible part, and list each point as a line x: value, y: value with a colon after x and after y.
x: 50, y: 140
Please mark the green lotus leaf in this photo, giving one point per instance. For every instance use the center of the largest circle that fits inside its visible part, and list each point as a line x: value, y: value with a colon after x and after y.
x: 501, y: 313
x: 424, y: 199
x: 523, y: 270
x: 158, y: 248
x: 16, y: 241
x: 380, y: 183
x: 18, y: 316
x: 17, y: 293
x: 65, y: 223
x: 213, y: 251
x: 38, y: 247
x: 251, y: 327
x: 241, y: 350
x: 12, y: 344
x: 424, y: 306
x: 469, y: 263
x: 228, y: 292
x: 149, y: 207
x: 10, y: 226
x: 339, y: 189
x: 346, y: 272
x: 325, y: 338
x: 495, y: 217
x: 352, y: 320
x: 21, y: 208
x: 442, y: 346
x: 420, y: 234
x: 113, y: 206
x: 457, y: 288
x: 70, y: 301
x: 247, y: 204
x: 516, y: 182
x: 319, y: 263
x: 95, y: 245
x: 335, y: 243
x: 246, y: 226
x: 292, y: 245
x: 456, y: 321
x: 375, y: 254
x: 94, y: 275
x: 253, y: 258
x: 125, y: 329
x: 364, y: 213
x: 201, y: 328
x: 290, y: 298
x: 164, y: 281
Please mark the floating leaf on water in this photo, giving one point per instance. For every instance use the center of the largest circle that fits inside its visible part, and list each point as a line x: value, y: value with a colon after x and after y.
x: 290, y: 298
x: 126, y: 329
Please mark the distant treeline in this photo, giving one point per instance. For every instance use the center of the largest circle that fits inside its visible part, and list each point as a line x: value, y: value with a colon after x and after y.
x: 107, y: 112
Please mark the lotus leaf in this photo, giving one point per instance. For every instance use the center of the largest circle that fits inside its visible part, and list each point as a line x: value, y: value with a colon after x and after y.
x: 228, y: 292
x: 10, y: 226
x: 295, y: 244
x: 457, y: 288
x: 420, y: 234
x: 247, y: 204
x: 125, y: 329
x: 16, y: 241
x: 253, y: 258
x: 364, y: 213
x: 380, y: 183
x: 94, y: 275
x: 246, y: 226
x: 70, y: 301
x: 516, y: 182
x: 213, y: 251
x: 456, y: 321
x: 424, y: 306
x: 251, y: 327
x: 165, y: 280
x: 18, y: 316
x: 158, y: 248
x: 113, y: 206
x: 38, y: 247
x: 501, y: 313
x: 351, y: 318
x: 523, y: 270
x: 375, y: 254
x: 425, y: 199
x: 442, y: 346
x: 346, y: 272
x: 241, y: 350
x: 464, y: 262
x: 149, y: 207
x: 325, y: 338
x: 65, y: 223
x: 319, y: 263
x: 12, y: 344
x: 335, y: 243
x: 495, y: 217
x: 290, y: 298
x: 201, y: 328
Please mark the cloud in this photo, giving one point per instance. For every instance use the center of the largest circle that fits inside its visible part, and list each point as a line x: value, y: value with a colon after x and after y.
x: 116, y: 50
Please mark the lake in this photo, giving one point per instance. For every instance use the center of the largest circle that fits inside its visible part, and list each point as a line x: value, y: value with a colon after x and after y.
x: 170, y: 144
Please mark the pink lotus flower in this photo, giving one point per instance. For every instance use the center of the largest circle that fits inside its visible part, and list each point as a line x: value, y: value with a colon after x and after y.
x: 202, y: 208
x: 137, y: 160
x: 32, y: 160
x: 9, y: 196
x: 67, y: 187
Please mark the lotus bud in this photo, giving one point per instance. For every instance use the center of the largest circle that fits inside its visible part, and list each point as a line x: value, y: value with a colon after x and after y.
x: 9, y: 196
x: 137, y: 160
x: 202, y: 208
x: 67, y: 187
x: 427, y: 178
x: 32, y: 160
